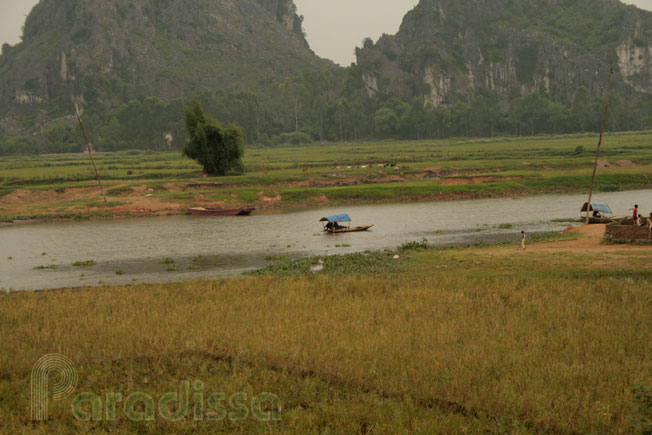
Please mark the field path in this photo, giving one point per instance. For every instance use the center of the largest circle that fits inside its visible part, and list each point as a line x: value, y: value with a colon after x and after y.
x: 587, y: 251
x: 589, y: 241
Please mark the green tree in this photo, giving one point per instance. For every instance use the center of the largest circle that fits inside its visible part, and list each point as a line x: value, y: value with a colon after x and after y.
x: 15, y: 145
x: 63, y: 138
x: 217, y: 149
x: 387, y: 122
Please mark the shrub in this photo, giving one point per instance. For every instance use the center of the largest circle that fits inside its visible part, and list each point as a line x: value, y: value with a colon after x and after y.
x: 217, y: 149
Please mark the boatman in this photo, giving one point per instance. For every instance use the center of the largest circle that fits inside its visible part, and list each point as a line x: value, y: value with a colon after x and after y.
x: 523, y: 240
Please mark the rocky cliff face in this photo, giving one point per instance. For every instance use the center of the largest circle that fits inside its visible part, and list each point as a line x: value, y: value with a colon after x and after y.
x: 446, y: 49
x: 103, y: 53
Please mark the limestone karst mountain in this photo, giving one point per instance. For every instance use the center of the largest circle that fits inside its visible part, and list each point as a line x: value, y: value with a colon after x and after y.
x: 446, y: 49
x: 105, y: 53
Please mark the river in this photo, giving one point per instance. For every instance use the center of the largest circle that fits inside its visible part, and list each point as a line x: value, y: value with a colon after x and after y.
x: 135, y: 250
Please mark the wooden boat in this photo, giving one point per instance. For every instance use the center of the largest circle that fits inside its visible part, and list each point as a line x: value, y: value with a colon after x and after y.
x: 349, y: 230
x: 201, y: 211
x: 338, y: 224
x: 598, y: 213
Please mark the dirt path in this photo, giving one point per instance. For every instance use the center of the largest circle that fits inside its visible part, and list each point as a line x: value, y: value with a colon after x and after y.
x: 586, y: 252
x: 590, y: 240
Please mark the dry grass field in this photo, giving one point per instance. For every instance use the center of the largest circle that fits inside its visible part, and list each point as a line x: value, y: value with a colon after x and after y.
x: 555, y: 339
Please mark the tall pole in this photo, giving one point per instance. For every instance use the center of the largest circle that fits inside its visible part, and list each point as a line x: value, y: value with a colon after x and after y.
x: 597, y: 151
x: 90, y: 150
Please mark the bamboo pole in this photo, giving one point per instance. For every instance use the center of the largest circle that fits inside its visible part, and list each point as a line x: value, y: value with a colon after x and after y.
x: 90, y: 150
x: 597, y: 151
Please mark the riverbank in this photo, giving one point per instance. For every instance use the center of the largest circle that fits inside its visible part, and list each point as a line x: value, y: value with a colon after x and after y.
x: 556, y: 338
x: 140, y: 183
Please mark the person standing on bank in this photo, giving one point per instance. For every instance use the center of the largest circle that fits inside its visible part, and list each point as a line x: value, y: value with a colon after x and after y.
x: 523, y: 239
x: 635, y: 214
x: 649, y: 226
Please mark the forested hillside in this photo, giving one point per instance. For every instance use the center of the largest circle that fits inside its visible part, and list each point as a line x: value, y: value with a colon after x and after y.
x: 455, y: 68
x: 112, y: 56
x: 514, y: 66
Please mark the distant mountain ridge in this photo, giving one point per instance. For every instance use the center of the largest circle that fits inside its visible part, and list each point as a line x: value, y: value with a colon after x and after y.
x: 456, y: 68
x: 446, y: 49
x: 105, y: 53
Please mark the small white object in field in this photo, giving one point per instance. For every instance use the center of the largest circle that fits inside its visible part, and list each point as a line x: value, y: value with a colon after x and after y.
x: 148, y: 195
x: 396, y: 257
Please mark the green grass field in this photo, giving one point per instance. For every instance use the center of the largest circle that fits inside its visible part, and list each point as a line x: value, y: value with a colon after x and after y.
x: 64, y: 186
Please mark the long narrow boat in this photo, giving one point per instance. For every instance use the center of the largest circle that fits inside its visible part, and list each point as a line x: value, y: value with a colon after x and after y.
x: 201, y: 211
x: 350, y: 230
x: 331, y: 224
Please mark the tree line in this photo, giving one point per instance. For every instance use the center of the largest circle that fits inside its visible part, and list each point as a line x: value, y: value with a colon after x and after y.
x: 328, y: 106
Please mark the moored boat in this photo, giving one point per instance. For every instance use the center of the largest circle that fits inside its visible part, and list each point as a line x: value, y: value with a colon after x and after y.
x: 599, y: 213
x: 201, y: 211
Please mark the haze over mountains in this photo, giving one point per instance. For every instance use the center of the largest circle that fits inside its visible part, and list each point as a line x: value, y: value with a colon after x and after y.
x: 249, y: 61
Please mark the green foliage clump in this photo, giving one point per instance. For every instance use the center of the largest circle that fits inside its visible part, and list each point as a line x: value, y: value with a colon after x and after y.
x: 87, y: 263
x: 42, y: 267
x: 414, y: 245
x: 356, y: 263
x: 219, y: 150
x: 296, y: 138
x: 640, y: 421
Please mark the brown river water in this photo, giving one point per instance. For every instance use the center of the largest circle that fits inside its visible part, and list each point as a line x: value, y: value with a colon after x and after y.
x: 211, y: 247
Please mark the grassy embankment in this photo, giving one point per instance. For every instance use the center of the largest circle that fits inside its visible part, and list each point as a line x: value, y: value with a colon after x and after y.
x: 164, y: 183
x: 484, y: 339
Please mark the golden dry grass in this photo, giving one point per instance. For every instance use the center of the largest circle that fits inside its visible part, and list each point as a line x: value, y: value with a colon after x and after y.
x: 460, y: 349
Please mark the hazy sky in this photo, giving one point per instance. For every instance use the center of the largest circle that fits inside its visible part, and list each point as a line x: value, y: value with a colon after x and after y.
x: 334, y: 27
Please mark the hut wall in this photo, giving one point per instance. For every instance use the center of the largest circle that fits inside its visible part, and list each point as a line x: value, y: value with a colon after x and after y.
x: 616, y: 232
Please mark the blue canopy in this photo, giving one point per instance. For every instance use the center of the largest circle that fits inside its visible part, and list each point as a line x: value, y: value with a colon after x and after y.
x: 602, y: 208
x: 336, y: 218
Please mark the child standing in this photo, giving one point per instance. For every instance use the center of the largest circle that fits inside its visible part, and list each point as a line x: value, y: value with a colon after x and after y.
x: 523, y: 240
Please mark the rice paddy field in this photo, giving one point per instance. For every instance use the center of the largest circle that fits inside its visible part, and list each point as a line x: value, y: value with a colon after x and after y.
x: 485, y: 339
x: 146, y: 183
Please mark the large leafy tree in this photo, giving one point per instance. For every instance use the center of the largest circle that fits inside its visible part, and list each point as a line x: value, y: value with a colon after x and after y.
x: 219, y: 150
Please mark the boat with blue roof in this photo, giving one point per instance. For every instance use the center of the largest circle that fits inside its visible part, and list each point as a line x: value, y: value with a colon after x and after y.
x: 341, y: 223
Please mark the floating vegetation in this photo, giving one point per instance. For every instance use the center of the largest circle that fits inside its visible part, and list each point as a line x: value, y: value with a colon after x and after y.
x: 87, y: 263
x: 276, y: 257
x: 414, y: 245
x: 51, y: 266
